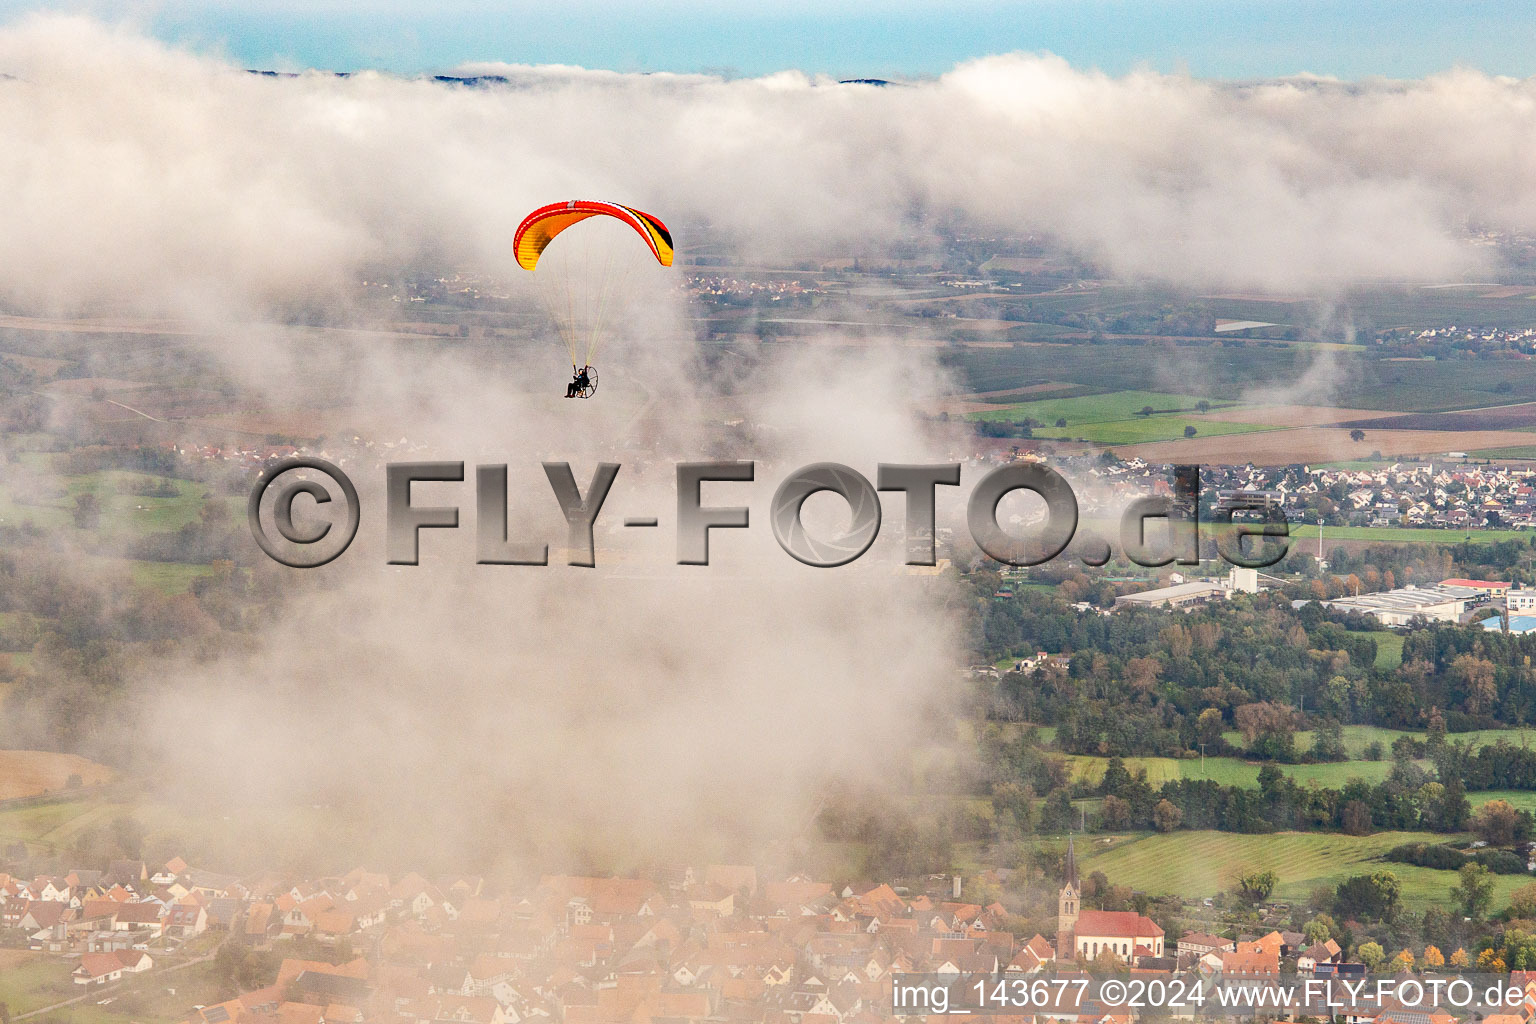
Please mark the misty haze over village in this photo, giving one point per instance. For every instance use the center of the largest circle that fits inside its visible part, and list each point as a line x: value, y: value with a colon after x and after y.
x: 469, y: 789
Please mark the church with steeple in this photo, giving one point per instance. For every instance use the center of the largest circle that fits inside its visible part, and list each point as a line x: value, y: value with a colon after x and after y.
x: 1088, y: 934
x: 1068, y: 904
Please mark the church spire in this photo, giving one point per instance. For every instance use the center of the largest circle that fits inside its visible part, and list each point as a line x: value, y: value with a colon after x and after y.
x: 1068, y: 905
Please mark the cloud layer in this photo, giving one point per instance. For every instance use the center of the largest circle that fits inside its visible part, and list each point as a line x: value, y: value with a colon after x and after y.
x: 645, y: 707
x: 141, y: 175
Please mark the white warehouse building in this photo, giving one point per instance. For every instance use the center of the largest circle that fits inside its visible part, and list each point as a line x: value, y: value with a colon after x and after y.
x: 1196, y: 592
x: 1439, y: 603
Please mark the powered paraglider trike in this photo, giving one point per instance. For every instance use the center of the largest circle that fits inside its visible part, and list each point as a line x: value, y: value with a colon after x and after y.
x: 582, y: 280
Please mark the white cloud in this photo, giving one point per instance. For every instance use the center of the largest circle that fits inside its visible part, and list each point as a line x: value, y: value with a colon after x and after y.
x: 139, y: 175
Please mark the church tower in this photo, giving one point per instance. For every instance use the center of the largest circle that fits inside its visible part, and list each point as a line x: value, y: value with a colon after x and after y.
x: 1067, y: 907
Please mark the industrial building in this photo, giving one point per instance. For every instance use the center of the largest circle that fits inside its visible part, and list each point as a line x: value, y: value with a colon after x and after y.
x: 1197, y: 592
x: 1180, y: 595
x: 1520, y: 599
x: 1493, y: 588
x: 1439, y: 603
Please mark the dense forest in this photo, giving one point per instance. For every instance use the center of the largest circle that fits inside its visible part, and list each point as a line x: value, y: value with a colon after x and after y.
x: 1147, y: 681
x: 83, y: 626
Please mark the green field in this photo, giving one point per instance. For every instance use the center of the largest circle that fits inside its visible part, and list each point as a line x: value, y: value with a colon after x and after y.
x: 1358, y: 737
x: 213, y: 838
x: 123, y: 513
x: 1519, y: 451
x: 123, y: 517
x: 1113, y: 418
x: 1229, y: 771
x: 167, y: 577
x: 47, y: 513
x: 1520, y: 799
x: 1431, y: 306
x: 1086, y: 768
x: 1201, y: 863
x: 1389, y: 649
x: 1085, y: 409
x: 1406, y: 535
x: 1361, y: 380
x: 1047, y: 733
x: 140, y: 513
x: 1235, y: 771
x: 52, y: 823
x: 30, y: 981
x: 240, y: 839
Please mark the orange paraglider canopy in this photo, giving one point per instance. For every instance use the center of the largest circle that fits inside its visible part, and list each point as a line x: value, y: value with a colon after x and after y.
x: 541, y: 226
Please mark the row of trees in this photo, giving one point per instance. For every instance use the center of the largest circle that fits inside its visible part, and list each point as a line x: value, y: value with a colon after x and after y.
x: 1410, y: 798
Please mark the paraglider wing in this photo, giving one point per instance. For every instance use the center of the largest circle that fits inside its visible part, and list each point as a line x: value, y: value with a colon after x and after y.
x: 583, y: 283
x: 541, y: 226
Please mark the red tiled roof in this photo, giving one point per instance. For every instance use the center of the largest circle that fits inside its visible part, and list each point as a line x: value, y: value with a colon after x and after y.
x: 1117, y: 924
